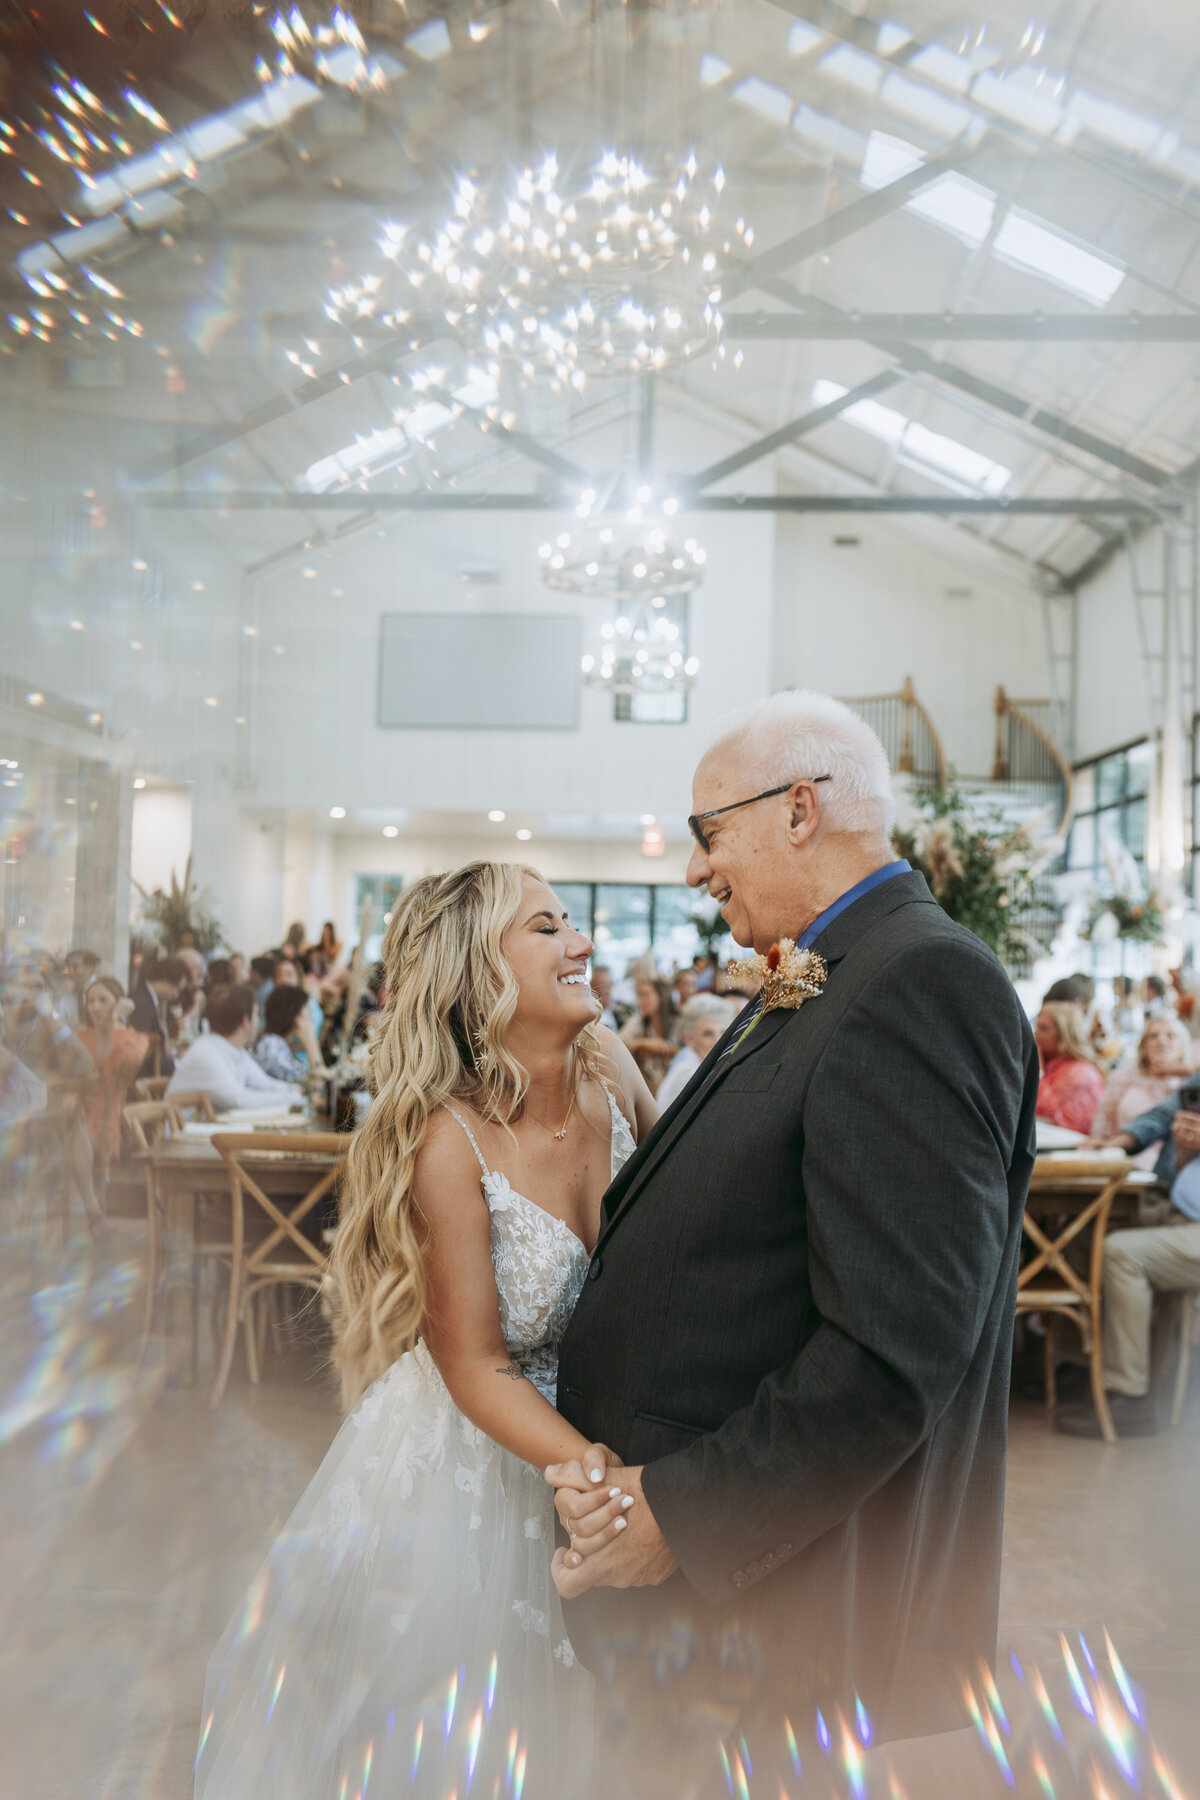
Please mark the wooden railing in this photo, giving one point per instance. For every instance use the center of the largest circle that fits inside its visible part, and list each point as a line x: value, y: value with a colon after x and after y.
x: 1027, y: 756
x: 907, y: 733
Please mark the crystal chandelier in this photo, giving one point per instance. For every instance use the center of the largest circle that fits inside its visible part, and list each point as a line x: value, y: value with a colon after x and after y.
x: 642, y: 651
x: 612, y: 271
x: 602, y: 560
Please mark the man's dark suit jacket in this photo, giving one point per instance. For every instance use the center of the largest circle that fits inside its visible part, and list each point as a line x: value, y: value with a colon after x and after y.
x: 146, y: 1017
x: 799, y: 1317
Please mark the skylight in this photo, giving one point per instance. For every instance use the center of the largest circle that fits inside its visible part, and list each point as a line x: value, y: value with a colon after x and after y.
x: 380, y: 450
x: 823, y: 133
x: 1020, y: 97
x: 769, y: 102
x: 1110, y: 123
x: 429, y: 41
x: 1029, y: 244
x: 854, y: 68
x: 952, y: 202
x: 928, y: 452
x: 713, y: 69
x: 914, y: 100
x: 949, y: 71
x: 803, y: 37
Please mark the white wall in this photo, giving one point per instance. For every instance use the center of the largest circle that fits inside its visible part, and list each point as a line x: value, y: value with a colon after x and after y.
x: 1112, y: 705
x: 856, y: 621
x: 161, y: 838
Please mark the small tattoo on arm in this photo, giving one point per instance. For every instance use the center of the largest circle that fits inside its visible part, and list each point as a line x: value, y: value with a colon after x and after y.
x: 512, y: 1371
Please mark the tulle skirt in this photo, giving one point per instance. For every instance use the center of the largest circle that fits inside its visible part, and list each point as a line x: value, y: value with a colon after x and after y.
x: 404, y: 1636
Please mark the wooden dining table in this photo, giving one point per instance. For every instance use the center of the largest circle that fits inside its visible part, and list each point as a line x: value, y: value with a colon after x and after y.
x: 186, y: 1170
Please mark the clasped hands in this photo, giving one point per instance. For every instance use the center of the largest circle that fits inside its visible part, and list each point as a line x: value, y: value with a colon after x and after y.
x: 615, y: 1541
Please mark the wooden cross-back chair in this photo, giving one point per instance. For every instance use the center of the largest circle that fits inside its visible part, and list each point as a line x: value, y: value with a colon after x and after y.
x: 1050, y: 1285
x: 148, y: 1123
x: 152, y: 1087
x: 269, y: 1249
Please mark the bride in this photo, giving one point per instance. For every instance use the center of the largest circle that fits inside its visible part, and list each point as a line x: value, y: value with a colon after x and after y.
x: 404, y: 1634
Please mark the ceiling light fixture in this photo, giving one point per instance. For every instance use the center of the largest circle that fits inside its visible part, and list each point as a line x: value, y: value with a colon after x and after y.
x: 337, y: 812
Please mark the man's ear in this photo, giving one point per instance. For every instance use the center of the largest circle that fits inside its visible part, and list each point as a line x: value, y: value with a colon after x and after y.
x: 805, y: 812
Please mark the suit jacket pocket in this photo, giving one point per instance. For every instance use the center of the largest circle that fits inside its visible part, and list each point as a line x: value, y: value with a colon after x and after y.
x: 750, y: 1077
x: 653, y: 1418
x: 654, y: 1436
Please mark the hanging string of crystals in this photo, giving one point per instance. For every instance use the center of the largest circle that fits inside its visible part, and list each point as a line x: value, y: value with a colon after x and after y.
x: 642, y: 651
x: 603, y: 559
x: 609, y: 268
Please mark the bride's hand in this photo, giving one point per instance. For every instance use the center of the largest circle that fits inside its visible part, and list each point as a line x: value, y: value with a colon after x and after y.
x: 590, y: 1520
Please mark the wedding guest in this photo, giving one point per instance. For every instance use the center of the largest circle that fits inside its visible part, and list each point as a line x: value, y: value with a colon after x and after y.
x: 702, y: 1023
x: 329, y: 944
x: 22, y: 1095
x: 705, y: 971
x: 51, y: 1051
x: 118, y: 1053
x: 159, y: 989
x: 685, y: 987
x: 219, y: 973
x: 1128, y: 1014
x: 1140, y: 1263
x: 237, y: 967
x: 652, y: 1032
x: 602, y: 988
x: 1071, y: 1084
x: 1164, y: 1062
x: 278, y: 1050
x: 1071, y: 990
x: 220, y: 1064
x: 1157, y: 997
x: 80, y: 966
x: 297, y: 937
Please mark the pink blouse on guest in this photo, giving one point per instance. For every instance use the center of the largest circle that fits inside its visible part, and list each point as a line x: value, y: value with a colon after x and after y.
x: 1069, y: 1093
x: 1127, y: 1094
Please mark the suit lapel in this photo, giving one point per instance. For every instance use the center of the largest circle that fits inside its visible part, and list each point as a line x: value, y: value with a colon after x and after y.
x: 832, y: 946
x: 707, y: 1080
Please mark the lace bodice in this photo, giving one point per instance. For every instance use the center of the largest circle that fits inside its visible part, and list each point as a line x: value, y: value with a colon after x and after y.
x: 539, y: 1262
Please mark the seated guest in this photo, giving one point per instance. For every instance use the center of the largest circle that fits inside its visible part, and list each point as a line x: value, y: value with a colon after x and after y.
x: 685, y: 987
x: 702, y: 1023
x: 160, y: 987
x: 1164, y: 1061
x: 1157, y: 998
x: 22, y: 1095
x: 330, y: 944
x: 81, y: 966
x: 237, y: 967
x: 1128, y: 1015
x: 287, y: 1050
x: 118, y: 1053
x: 261, y: 978
x: 651, y: 1031
x: 1071, y: 1083
x: 219, y: 973
x: 51, y: 1051
x: 1137, y: 1264
x: 220, y: 1065
x: 1071, y: 990
x: 602, y: 990
x: 705, y: 971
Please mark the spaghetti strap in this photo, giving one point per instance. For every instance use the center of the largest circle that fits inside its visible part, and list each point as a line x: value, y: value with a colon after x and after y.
x: 471, y: 1136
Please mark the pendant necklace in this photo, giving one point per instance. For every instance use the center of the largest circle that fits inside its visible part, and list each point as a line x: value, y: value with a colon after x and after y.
x: 561, y: 1133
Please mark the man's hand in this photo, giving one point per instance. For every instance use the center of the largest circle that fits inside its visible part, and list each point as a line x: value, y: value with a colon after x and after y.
x: 1185, y: 1129
x: 639, y: 1557
x: 1122, y: 1141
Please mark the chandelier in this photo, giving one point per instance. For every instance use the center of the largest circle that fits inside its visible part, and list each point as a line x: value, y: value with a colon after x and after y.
x: 602, y: 561
x: 612, y: 271
x: 642, y: 651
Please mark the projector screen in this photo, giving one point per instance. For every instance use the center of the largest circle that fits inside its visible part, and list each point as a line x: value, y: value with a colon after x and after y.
x: 479, y: 671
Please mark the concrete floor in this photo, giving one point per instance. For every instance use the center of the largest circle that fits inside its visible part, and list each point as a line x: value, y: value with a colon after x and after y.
x: 135, y: 1517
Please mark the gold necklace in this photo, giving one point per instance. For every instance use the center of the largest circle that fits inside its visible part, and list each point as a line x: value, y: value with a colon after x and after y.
x: 561, y: 1133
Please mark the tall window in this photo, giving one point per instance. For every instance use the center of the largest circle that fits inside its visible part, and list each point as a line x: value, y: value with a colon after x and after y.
x: 1112, y: 804
x: 382, y: 891
x: 624, y: 919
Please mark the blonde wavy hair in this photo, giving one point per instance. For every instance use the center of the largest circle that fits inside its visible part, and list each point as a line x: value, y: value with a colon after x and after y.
x: 451, y: 995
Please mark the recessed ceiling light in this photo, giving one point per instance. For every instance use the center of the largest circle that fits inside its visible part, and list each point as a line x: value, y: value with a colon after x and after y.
x: 78, y: 625
x: 134, y: 644
x: 337, y: 812
x: 524, y: 836
x: 250, y: 630
x: 497, y: 817
x: 211, y: 700
x: 139, y: 781
x: 309, y: 574
x: 391, y: 831
x: 647, y: 819
x: 339, y: 593
x: 36, y: 699
x: 197, y: 587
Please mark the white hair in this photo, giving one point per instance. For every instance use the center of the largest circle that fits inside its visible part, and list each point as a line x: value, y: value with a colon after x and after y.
x: 800, y: 735
x: 707, y: 1006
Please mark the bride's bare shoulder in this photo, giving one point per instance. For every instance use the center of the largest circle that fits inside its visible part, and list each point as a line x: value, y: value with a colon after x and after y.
x: 447, y: 1167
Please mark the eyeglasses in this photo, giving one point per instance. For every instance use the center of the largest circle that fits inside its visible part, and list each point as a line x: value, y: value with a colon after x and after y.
x: 701, y: 837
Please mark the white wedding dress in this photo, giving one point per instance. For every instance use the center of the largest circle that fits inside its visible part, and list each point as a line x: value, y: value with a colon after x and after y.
x: 404, y: 1636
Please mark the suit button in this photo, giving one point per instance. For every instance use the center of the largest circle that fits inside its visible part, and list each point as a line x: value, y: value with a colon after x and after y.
x: 738, y: 1579
x: 754, y: 1567
x: 783, y: 1549
x: 595, y: 1268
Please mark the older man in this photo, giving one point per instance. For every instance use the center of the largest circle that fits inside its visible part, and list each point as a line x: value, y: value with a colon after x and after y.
x: 220, y: 1065
x: 797, y: 1328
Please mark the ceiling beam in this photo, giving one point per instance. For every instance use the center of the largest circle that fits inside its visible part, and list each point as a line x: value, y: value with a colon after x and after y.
x: 842, y: 224
x: 1020, y: 328
x: 789, y: 434
x: 424, y: 500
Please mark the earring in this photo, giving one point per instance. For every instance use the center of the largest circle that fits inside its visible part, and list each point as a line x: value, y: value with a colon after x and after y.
x: 483, y: 1051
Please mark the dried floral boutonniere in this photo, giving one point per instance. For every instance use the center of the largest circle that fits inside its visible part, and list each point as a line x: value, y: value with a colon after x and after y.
x: 788, y: 978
